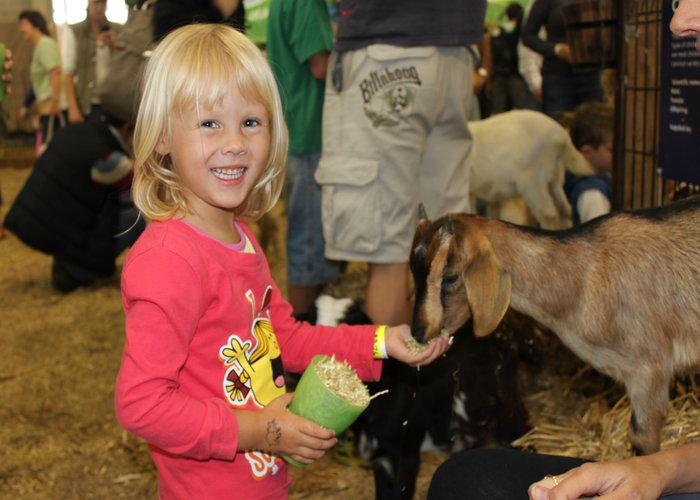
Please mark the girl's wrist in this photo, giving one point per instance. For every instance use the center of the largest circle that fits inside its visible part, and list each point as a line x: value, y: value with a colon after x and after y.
x: 380, y: 351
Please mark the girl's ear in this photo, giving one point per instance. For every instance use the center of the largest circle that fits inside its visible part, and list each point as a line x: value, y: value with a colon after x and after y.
x: 163, y: 146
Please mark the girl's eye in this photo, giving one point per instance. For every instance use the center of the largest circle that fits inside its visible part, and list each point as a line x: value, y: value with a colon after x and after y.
x: 209, y: 124
x: 251, y: 122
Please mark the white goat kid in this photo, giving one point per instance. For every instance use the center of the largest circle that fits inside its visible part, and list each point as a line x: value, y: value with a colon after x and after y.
x: 621, y: 291
x: 524, y: 153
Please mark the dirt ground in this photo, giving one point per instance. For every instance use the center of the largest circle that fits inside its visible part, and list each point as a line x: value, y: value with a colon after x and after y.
x: 60, y: 354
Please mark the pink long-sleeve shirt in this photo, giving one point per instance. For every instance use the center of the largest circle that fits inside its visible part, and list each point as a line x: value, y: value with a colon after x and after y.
x: 207, y: 331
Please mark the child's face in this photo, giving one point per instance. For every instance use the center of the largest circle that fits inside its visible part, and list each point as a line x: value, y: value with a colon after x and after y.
x: 600, y: 158
x: 220, y: 153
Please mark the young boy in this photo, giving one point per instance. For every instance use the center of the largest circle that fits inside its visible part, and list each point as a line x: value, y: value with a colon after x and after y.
x: 591, y: 130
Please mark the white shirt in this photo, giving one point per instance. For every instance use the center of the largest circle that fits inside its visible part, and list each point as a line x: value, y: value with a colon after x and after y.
x: 70, y: 59
x: 591, y: 204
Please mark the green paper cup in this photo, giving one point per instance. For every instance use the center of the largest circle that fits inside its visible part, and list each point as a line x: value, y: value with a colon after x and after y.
x: 316, y: 401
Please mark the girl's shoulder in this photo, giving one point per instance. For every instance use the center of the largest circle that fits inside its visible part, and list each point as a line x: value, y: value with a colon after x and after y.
x: 170, y: 237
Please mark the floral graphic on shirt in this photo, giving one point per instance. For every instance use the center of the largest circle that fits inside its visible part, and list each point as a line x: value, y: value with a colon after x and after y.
x: 261, y: 463
x: 255, y: 372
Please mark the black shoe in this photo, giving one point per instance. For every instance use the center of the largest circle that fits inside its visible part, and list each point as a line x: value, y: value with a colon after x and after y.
x: 63, y: 281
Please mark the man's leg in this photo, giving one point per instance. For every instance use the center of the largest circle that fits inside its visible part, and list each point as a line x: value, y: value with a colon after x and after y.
x: 302, y: 298
x: 387, y: 299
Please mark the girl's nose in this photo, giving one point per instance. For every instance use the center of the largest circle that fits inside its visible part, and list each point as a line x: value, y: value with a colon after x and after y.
x: 234, y: 144
x: 686, y: 18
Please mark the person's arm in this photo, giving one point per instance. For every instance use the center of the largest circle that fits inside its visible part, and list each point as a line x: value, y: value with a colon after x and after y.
x: 530, y: 62
x: 318, y: 65
x: 531, y: 29
x: 278, y: 431
x: 163, y: 302
x: 647, y: 477
x: 483, y: 75
x: 314, y: 47
x: 56, y: 76
x: 50, y: 58
x: 591, y: 204
x: 74, y: 113
x: 69, y: 67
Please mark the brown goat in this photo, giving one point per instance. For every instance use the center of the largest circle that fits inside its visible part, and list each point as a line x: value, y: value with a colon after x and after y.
x: 622, y: 292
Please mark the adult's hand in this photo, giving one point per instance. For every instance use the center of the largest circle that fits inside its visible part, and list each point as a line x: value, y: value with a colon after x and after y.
x: 635, y: 477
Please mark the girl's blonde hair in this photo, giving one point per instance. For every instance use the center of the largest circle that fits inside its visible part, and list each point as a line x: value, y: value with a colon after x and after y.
x: 196, y: 65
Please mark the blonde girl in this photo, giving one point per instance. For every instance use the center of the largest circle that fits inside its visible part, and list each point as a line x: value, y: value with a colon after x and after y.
x: 208, y: 333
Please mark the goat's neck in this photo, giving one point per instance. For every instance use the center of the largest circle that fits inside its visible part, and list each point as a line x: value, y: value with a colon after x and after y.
x: 546, y: 273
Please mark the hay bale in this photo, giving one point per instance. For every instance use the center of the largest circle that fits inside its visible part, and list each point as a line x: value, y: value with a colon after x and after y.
x: 593, y: 430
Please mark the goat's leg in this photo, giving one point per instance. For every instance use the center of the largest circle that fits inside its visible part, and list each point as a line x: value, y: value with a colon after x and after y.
x: 648, y: 393
x: 512, y: 210
x: 540, y: 203
x: 556, y: 190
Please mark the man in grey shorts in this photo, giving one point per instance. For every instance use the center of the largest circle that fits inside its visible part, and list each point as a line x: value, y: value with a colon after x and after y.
x: 398, y: 94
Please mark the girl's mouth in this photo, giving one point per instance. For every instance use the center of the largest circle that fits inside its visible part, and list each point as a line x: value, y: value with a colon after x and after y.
x: 228, y: 174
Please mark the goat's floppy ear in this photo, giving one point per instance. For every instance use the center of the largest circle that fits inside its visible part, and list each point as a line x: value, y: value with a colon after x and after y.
x: 488, y: 289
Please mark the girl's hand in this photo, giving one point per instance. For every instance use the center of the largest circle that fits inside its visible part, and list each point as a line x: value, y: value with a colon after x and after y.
x: 397, y: 348
x: 631, y: 478
x: 289, y: 434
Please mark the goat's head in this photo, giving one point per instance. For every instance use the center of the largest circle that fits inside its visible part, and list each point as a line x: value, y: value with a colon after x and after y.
x: 457, y: 277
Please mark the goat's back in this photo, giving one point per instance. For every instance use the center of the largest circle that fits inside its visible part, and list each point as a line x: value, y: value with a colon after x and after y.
x: 632, y: 280
x: 510, y: 146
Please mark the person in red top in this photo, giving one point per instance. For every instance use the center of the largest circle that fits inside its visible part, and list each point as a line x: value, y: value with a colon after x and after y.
x: 208, y: 333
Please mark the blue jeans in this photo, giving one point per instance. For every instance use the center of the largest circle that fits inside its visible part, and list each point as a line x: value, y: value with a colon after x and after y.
x: 562, y: 93
x: 306, y: 265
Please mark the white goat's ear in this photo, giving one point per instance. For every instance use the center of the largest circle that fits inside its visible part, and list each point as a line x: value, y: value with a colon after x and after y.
x: 488, y: 289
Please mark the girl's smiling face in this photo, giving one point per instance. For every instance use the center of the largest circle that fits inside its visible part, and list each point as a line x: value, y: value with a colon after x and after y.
x: 219, y: 154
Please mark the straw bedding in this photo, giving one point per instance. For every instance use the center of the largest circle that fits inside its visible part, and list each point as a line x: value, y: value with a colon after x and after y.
x: 60, y: 354
x: 343, y: 381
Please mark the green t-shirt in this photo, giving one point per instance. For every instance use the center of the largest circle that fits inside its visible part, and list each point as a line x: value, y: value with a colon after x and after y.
x: 298, y: 29
x: 256, y: 13
x: 46, y: 57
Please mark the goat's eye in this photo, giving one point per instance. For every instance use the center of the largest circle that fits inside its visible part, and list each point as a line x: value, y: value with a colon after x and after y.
x: 448, y: 281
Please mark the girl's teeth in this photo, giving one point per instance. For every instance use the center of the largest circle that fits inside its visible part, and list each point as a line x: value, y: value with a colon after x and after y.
x: 228, y: 174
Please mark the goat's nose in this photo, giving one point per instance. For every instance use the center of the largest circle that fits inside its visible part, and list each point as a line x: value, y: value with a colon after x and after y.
x: 418, y: 332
